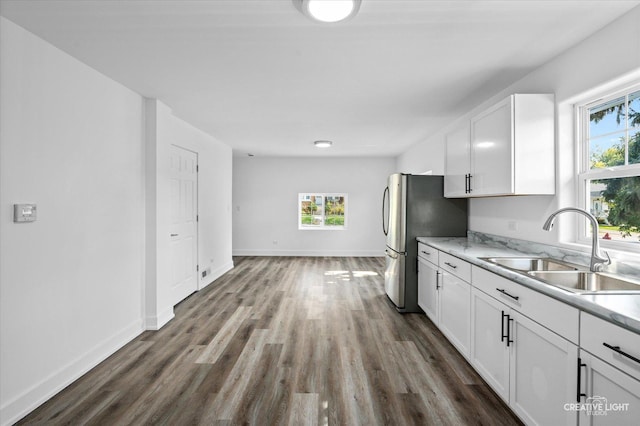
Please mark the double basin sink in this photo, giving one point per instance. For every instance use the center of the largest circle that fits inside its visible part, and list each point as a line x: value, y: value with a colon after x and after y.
x: 566, y: 275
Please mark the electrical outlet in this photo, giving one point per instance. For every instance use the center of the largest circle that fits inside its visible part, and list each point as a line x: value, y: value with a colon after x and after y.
x: 206, y: 272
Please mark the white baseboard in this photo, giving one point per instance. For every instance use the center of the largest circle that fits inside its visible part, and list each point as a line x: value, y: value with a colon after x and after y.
x: 315, y: 253
x: 39, y: 393
x: 157, y: 322
x: 217, y: 273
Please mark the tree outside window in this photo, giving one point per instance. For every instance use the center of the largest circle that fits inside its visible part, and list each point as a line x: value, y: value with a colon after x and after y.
x: 611, y: 171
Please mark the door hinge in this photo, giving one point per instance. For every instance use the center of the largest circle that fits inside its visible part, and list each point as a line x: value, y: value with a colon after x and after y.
x: 197, y: 218
x: 197, y: 168
x: 197, y: 268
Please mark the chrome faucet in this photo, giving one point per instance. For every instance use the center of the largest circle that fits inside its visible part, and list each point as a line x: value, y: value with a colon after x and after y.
x: 597, y: 261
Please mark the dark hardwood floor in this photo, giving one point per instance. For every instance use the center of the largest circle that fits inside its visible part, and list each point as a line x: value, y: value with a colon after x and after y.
x: 298, y: 341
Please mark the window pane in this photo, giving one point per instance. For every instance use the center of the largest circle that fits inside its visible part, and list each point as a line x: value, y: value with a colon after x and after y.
x: 311, y: 210
x: 607, y: 118
x: 616, y: 204
x: 634, y: 109
x: 607, y: 151
x: 322, y: 211
x: 634, y: 147
x: 334, y: 210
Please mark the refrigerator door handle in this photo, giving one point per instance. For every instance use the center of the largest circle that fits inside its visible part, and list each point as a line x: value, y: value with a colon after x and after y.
x: 394, y: 253
x: 384, y: 198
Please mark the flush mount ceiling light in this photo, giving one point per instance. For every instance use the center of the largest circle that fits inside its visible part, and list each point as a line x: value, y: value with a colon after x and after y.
x: 323, y: 144
x: 328, y: 10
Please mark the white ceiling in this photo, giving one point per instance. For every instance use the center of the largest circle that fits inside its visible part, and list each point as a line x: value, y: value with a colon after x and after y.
x: 268, y: 81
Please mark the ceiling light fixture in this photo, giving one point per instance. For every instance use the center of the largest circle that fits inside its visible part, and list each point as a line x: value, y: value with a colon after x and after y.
x: 328, y: 10
x: 323, y: 144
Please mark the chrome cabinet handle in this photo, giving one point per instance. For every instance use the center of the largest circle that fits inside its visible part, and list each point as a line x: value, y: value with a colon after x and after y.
x: 450, y: 265
x: 621, y: 352
x: 174, y: 235
x: 428, y: 254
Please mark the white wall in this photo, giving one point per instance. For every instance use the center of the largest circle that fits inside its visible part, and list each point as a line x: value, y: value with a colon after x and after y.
x: 163, y: 129
x: 265, y: 196
x: 214, y: 198
x: 608, y: 58
x: 70, y: 283
x: 74, y: 285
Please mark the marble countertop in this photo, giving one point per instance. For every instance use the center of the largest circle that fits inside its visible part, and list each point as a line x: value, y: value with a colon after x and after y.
x: 620, y: 309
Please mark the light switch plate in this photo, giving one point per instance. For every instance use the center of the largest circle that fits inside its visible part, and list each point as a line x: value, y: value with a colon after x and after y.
x: 25, y: 212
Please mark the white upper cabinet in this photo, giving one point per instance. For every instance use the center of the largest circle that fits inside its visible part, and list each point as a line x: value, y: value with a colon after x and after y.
x: 508, y: 149
x: 492, y: 149
x: 457, y: 161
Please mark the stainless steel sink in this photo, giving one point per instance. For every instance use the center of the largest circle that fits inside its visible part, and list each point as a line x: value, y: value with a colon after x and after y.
x: 527, y: 264
x: 586, y: 282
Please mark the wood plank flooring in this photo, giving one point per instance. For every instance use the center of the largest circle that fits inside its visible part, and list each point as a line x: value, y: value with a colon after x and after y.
x: 284, y: 341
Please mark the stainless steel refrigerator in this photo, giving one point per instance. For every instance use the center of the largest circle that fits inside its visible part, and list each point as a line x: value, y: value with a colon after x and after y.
x: 414, y: 206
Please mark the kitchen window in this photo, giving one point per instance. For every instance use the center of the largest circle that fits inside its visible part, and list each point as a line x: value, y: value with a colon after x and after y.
x: 322, y: 211
x: 609, y: 176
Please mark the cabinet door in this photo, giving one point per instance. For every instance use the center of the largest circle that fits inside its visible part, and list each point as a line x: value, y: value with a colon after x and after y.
x: 492, y: 151
x: 457, y: 162
x: 542, y: 373
x: 614, y: 396
x: 489, y: 351
x: 455, y: 311
x: 428, y: 289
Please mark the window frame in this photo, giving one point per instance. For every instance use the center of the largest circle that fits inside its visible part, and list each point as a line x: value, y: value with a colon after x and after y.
x: 324, y: 196
x: 586, y: 173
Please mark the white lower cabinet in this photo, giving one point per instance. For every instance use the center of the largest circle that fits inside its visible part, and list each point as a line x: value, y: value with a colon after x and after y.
x: 428, y: 287
x: 524, y: 345
x: 446, y: 298
x: 529, y: 366
x: 608, y: 396
x: 489, y: 351
x: 542, y: 373
x: 609, y: 390
x: 455, y: 311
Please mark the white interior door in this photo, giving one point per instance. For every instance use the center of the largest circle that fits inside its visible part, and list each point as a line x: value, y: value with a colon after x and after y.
x: 183, y: 235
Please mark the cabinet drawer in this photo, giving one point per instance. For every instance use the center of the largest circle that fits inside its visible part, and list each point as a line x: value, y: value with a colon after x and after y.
x: 455, y: 266
x: 428, y: 253
x: 552, y: 314
x: 596, y: 332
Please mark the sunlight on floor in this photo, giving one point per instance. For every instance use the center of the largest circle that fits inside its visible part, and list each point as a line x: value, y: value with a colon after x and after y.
x: 346, y: 275
x: 359, y: 274
x: 336, y: 272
